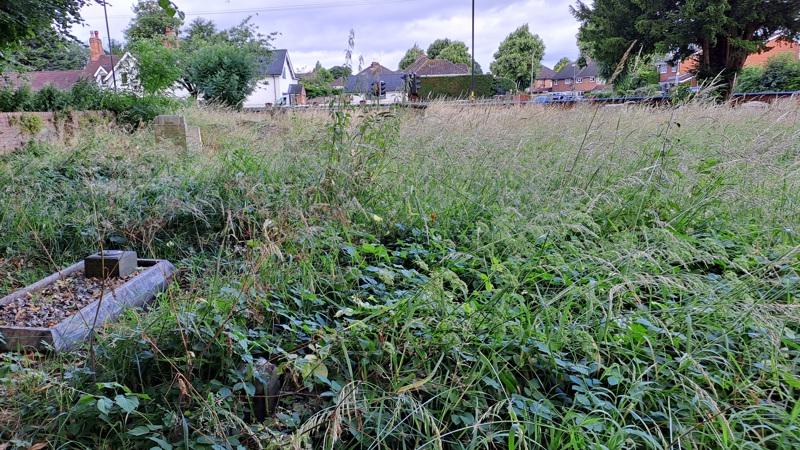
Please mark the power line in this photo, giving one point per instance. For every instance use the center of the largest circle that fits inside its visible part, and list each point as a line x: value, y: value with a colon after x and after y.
x: 305, y: 6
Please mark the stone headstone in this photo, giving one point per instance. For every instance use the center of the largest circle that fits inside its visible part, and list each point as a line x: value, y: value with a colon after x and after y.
x: 172, y: 128
x: 110, y: 264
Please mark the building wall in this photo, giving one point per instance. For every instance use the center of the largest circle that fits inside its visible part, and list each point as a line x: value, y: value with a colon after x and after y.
x: 586, y: 84
x: 779, y: 46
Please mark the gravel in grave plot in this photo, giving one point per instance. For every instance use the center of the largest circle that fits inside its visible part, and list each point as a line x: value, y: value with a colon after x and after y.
x: 49, y: 306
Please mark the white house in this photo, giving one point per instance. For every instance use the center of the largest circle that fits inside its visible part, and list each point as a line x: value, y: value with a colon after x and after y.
x: 275, y: 86
x: 99, y: 68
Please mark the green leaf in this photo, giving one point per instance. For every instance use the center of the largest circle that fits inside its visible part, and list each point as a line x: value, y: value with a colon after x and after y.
x: 128, y: 404
x: 104, y: 404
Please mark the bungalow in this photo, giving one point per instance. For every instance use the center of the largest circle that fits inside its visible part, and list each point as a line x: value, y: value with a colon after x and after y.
x: 425, y: 67
x: 579, y: 80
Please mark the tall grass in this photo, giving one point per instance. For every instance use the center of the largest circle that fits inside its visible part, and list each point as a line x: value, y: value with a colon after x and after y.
x: 463, y: 278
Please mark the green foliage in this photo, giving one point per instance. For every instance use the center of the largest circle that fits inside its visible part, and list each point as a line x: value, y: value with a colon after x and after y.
x: 130, y: 110
x: 203, y: 33
x: 750, y: 79
x: 223, y: 73
x: 457, y: 87
x: 561, y: 63
x: 725, y: 33
x: 521, y: 282
x: 150, y: 21
x: 519, y: 57
x: 780, y: 74
x: 340, y: 72
x: 49, y: 50
x: 411, y: 55
x: 29, y: 124
x: 437, y: 46
x: 21, y: 21
x: 159, y: 66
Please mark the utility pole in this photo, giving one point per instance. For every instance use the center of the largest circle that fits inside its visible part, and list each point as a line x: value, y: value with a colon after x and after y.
x: 110, y: 50
x: 472, y: 69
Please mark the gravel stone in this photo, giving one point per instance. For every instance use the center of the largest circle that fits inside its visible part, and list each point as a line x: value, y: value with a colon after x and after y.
x: 49, y: 306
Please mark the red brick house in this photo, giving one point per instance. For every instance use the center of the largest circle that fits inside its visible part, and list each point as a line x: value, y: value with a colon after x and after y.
x: 544, y: 80
x: 671, y: 74
x: 579, y: 80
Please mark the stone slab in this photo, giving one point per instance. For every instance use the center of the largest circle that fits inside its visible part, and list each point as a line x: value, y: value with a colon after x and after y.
x: 70, y: 332
x: 110, y: 264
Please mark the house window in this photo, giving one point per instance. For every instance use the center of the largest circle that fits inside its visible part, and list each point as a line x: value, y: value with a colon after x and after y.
x: 568, y: 81
x: 283, y: 75
x: 555, y: 82
x: 579, y: 80
x: 591, y: 79
x: 674, y: 69
x: 662, y: 68
x: 124, y: 77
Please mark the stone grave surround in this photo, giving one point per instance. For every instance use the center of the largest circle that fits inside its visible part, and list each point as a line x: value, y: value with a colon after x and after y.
x: 171, y: 128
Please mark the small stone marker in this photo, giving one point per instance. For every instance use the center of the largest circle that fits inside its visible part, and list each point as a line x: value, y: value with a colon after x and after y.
x: 110, y: 264
x: 171, y: 128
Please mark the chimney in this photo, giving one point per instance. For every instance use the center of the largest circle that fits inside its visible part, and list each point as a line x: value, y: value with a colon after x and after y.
x: 171, y: 39
x: 95, y: 46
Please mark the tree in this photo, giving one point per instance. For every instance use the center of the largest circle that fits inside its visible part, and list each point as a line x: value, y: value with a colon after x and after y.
x: 223, y: 73
x: 561, y: 63
x: 150, y: 20
x: 519, y: 56
x: 718, y: 34
x: 22, y: 20
x: 437, y: 46
x: 50, y: 50
x: 340, y: 72
x: 411, y: 55
x: 159, y: 65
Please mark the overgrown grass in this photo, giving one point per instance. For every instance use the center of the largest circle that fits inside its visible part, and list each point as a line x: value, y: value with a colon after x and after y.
x: 467, y: 278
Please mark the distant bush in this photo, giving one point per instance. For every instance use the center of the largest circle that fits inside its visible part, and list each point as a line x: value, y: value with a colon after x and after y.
x: 781, y: 74
x: 129, y: 109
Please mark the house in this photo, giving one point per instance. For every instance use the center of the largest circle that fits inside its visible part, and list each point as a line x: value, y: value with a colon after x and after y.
x: 275, y: 86
x: 671, y: 74
x: 425, y: 67
x: 366, y: 87
x: 544, y: 80
x: 579, y: 80
x: 109, y: 71
x: 375, y: 69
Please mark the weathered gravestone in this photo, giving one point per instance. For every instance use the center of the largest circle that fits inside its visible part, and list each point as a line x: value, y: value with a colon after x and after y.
x: 170, y: 128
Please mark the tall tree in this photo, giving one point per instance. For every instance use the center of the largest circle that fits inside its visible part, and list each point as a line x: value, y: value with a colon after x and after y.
x: 718, y: 34
x: 561, y: 63
x: 223, y: 73
x: 50, y: 50
x: 159, y: 65
x: 340, y: 72
x: 411, y: 55
x: 519, y: 56
x: 21, y: 20
x: 437, y: 46
x: 150, y: 20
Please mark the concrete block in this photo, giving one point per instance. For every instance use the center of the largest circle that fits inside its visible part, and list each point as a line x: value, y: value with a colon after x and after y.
x: 110, y: 264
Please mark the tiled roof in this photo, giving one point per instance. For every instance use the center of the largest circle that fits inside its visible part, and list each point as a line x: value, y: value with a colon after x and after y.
x: 359, y: 84
x: 590, y: 70
x: 375, y: 69
x: 296, y: 89
x: 430, y: 67
x: 545, y: 73
x: 103, y: 61
x: 275, y: 65
x: 339, y: 82
x: 62, y: 79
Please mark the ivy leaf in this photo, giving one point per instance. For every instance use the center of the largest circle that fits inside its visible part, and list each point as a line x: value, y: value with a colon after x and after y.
x: 104, y: 404
x: 128, y: 404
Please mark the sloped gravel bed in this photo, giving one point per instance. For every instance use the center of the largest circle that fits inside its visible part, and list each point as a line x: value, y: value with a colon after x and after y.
x: 52, y: 304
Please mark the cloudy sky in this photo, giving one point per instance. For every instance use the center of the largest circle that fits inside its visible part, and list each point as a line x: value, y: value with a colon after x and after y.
x: 317, y: 30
